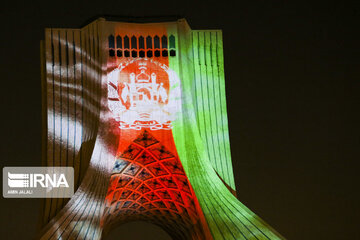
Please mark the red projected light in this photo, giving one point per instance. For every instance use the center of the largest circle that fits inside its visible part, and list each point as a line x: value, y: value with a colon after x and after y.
x: 149, y: 183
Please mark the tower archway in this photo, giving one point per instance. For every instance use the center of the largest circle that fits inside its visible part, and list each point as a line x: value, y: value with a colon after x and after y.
x: 137, y: 230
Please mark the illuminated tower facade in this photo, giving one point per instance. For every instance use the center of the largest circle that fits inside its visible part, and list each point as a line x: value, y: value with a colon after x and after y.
x: 139, y: 111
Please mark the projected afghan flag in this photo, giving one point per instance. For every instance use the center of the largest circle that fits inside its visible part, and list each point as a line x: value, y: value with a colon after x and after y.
x: 139, y: 111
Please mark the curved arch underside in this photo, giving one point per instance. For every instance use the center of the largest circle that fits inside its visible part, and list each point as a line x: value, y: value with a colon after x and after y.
x: 149, y: 183
x: 130, y: 230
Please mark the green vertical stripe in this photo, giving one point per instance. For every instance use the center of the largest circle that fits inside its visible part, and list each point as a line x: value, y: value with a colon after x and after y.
x: 227, y: 218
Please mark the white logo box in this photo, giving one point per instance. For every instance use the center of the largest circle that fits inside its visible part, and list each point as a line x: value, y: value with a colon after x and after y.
x: 38, y: 182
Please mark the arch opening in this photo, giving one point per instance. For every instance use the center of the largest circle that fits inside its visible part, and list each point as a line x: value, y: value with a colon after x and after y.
x: 137, y: 230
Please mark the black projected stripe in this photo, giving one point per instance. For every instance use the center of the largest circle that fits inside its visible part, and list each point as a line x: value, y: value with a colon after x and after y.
x: 71, y: 80
x: 90, y: 83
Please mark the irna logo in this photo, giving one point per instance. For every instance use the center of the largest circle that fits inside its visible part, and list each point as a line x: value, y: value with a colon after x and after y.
x: 18, y: 180
x: 38, y: 182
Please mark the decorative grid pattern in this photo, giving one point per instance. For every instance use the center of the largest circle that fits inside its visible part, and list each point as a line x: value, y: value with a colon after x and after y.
x: 149, y: 183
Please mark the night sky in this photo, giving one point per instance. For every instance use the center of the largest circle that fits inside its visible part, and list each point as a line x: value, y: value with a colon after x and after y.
x: 292, y: 78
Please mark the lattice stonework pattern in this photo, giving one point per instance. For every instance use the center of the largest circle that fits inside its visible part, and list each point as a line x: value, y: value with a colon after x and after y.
x: 139, y: 111
x: 149, y: 183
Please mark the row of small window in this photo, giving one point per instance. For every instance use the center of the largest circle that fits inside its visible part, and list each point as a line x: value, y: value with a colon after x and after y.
x: 152, y: 46
x: 142, y: 54
x: 139, y: 43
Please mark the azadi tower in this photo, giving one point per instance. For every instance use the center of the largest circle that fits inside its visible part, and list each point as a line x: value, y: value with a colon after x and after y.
x: 139, y: 111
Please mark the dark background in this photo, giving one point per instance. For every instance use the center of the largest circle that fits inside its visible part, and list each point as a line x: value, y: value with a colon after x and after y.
x: 292, y: 78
